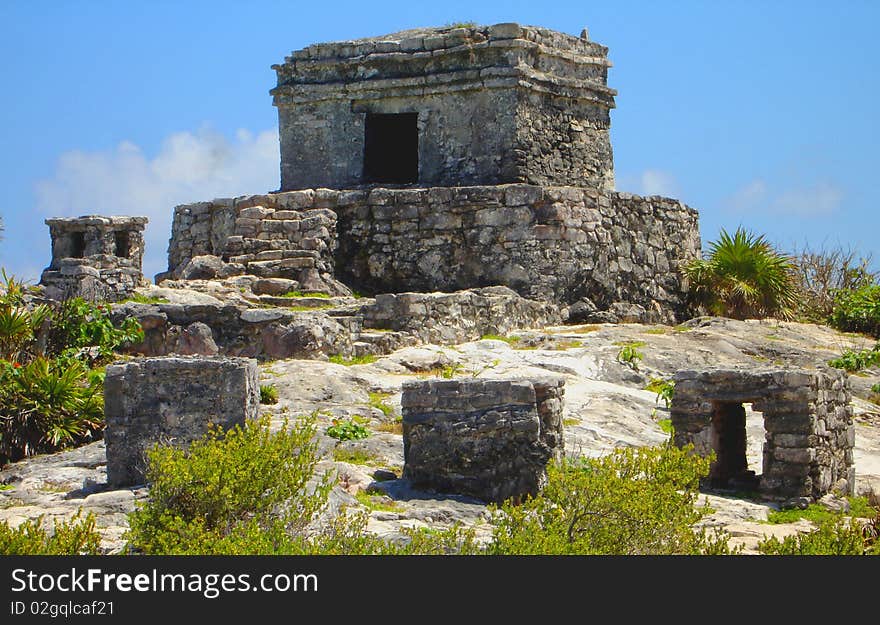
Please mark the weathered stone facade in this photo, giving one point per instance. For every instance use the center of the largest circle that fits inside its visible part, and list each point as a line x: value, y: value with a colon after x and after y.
x: 490, y: 439
x: 807, y: 417
x: 459, y: 106
x: 96, y: 258
x: 559, y: 244
x: 171, y: 401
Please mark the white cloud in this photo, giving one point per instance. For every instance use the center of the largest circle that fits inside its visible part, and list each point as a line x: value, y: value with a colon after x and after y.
x: 821, y: 198
x: 189, y: 167
x: 812, y: 200
x: 656, y: 182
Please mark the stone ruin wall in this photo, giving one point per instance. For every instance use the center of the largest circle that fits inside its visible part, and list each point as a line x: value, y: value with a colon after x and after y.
x: 287, y: 235
x: 555, y: 244
x: 498, y: 104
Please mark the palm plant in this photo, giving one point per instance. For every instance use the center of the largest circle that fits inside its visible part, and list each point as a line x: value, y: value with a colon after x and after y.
x: 743, y: 277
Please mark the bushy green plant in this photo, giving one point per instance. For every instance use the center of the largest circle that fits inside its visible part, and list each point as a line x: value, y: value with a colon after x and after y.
x: 823, y: 273
x: 837, y: 536
x: 632, y: 501
x: 858, y: 310
x: 46, y: 405
x: 268, y: 394
x: 228, y: 487
x: 855, y: 360
x: 77, y: 536
x: 356, y: 360
x: 79, y: 324
x: 743, y: 277
x: 348, y: 429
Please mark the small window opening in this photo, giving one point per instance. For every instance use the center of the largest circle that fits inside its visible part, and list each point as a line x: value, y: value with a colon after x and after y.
x: 123, y: 244
x: 77, y: 244
x: 391, y: 148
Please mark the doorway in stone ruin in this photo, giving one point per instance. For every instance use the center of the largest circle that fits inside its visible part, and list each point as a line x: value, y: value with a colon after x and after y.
x: 123, y: 244
x: 738, y: 435
x: 391, y: 148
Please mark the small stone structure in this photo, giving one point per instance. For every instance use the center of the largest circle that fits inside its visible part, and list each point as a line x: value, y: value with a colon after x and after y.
x: 171, y: 401
x: 96, y: 258
x: 810, y: 435
x: 490, y: 439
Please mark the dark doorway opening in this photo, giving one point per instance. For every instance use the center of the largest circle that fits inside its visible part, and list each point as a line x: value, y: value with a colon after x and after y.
x: 391, y: 148
x: 123, y: 244
x: 731, y: 468
x: 77, y: 244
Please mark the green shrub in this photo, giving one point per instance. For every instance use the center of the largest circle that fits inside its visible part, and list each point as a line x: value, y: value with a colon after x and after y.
x: 306, y: 294
x: 268, y: 394
x: 69, y: 538
x: 632, y: 501
x: 46, y: 405
x: 230, y: 493
x: 79, y: 324
x: 822, y: 274
x: 377, y: 400
x: 836, y: 536
x: 856, y: 360
x: 858, y: 310
x: 743, y: 277
x: 348, y: 430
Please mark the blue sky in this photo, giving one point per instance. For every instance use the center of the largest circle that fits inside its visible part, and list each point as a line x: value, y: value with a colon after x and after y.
x: 756, y: 113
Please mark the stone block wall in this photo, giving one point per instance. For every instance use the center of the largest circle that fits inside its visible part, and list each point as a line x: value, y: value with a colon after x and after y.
x: 494, y: 104
x: 171, y: 401
x: 96, y: 258
x: 283, y: 235
x: 556, y: 244
x: 808, y: 420
x: 452, y: 318
x: 489, y: 439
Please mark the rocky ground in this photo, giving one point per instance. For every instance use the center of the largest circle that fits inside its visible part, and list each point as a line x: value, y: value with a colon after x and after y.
x: 605, y: 407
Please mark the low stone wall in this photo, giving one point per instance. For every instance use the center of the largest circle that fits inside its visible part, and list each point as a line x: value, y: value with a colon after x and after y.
x: 560, y: 244
x: 282, y: 235
x: 451, y: 318
x: 230, y: 330
x: 490, y: 439
x: 807, y: 417
x: 171, y: 401
x: 99, y: 278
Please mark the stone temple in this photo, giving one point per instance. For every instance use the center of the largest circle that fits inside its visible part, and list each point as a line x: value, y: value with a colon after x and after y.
x: 445, y: 159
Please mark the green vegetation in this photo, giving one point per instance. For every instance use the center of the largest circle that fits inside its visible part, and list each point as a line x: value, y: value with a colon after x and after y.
x: 305, y: 294
x: 823, y: 275
x: 585, y: 329
x: 77, y: 536
x: 348, y: 430
x: 632, y: 501
x: 875, y: 394
x: 377, y: 400
x: 666, y: 426
x: 138, y: 298
x: 852, y: 360
x: 835, y: 536
x: 243, y: 491
x: 510, y: 340
x: 571, y: 421
x: 743, y: 277
x: 858, y: 310
x: 655, y: 331
x: 817, y: 513
x: 355, y: 455
x: 563, y: 345
x: 665, y: 389
x: 357, y: 360
x: 51, y: 370
x: 630, y: 355
x: 268, y: 394
x: 379, y: 503
x: 6, y: 486
x: 308, y: 308
x: 461, y: 25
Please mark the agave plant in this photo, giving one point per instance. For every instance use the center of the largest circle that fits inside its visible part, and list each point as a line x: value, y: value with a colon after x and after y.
x: 743, y: 277
x: 19, y: 325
